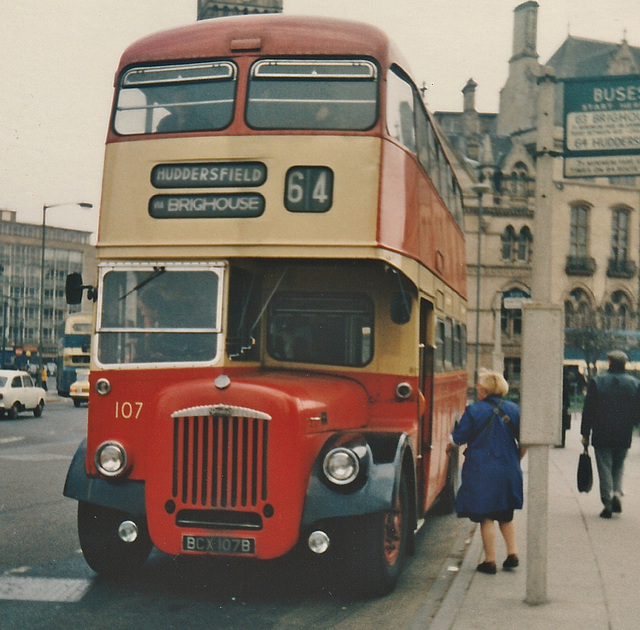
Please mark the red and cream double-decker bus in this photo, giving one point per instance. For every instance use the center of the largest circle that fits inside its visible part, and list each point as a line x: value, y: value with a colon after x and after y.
x: 279, y: 339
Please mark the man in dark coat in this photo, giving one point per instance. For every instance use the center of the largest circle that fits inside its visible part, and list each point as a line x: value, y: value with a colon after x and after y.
x: 610, y: 412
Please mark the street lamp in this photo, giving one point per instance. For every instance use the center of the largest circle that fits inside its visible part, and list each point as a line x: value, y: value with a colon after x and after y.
x: 479, y: 189
x: 81, y: 204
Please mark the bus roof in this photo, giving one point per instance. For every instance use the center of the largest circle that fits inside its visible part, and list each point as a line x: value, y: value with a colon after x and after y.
x: 264, y: 35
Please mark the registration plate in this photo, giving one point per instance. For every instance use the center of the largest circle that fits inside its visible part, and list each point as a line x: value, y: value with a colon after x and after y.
x: 219, y: 544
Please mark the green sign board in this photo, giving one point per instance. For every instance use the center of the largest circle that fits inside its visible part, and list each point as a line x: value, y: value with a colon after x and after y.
x: 602, y: 126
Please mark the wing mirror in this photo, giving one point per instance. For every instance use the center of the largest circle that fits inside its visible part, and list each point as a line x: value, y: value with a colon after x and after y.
x: 74, y: 289
x: 400, y: 308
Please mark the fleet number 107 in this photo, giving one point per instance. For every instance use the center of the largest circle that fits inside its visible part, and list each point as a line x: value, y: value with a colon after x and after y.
x: 127, y: 410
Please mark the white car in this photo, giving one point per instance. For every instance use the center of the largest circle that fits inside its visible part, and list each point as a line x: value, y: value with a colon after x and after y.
x: 79, y: 390
x: 19, y: 393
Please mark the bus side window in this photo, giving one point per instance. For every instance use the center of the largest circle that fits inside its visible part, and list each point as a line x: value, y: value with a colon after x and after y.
x: 463, y: 345
x: 400, y: 124
x: 440, y: 346
x: 422, y: 138
x: 448, y: 343
x: 457, y: 354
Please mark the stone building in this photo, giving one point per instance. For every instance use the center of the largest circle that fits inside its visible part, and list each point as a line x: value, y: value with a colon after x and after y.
x: 209, y: 9
x: 66, y: 251
x: 596, y: 221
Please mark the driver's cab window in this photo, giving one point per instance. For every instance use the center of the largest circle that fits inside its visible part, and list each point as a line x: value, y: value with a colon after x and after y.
x: 328, y: 329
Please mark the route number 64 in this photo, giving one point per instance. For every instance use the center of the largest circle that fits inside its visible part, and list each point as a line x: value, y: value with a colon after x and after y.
x: 309, y: 189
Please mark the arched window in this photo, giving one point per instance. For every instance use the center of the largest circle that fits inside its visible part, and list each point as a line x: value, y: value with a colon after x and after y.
x: 520, y: 180
x: 618, y: 313
x: 609, y: 317
x: 508, y: 243
x: 511, y: 315
x: 569, y: 314
x: 524, y: 244
x: 578, y: 310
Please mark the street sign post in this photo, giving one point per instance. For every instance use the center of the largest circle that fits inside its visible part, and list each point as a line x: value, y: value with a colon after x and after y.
x: 602, y: 126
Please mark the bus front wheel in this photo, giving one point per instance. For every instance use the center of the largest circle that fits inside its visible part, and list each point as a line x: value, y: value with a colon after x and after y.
x: 375, y: 548
x: 102, y: 547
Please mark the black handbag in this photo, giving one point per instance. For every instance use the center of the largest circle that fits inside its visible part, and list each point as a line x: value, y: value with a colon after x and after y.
x: 585, y: 472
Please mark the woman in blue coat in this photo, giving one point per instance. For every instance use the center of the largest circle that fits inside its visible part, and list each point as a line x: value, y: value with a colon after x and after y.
x: 491, y: 486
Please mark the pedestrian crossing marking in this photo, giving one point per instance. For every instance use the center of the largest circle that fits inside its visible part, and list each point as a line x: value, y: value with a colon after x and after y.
x: 35, y: 457
x: 42, y: 589
x: 11, y: 439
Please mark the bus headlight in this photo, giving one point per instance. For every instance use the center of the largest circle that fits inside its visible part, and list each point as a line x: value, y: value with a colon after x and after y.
x: 111, y: 459
x: 341, y: 466
x: 103, y: 386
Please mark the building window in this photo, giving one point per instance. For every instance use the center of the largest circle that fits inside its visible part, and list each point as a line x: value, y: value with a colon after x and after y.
x: 578, y: 310
x: 508, y: 243
x: 618, y: 312
x: 511, y: 322
x: 516, y: 247
x: 579, y: 263
x: 579, y: 231
x: 620, y: 266
x: 520, y: 185
x: 619, y: 234
x: 512, y: 369
x: 524, y: 244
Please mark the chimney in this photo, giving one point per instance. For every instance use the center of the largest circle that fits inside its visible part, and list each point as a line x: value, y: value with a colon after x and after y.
x: 470, y: 118
x: 519, y: 95
x: 525, y: 27
x: 469, y: 92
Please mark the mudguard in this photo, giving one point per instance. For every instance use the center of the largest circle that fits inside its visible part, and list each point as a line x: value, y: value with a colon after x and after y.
x: 381, y: 457
x: 124, y: 495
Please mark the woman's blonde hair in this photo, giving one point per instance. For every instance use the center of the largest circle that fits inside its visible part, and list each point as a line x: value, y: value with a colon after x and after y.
x: 493, y: 382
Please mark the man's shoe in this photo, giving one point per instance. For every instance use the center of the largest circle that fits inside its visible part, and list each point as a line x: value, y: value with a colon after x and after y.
x: 487, y: 567
x: 511, y: 562
x: 615, y: 505
x: 605, y: 513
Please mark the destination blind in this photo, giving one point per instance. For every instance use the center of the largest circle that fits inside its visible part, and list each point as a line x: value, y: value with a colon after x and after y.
x: 209, y: 175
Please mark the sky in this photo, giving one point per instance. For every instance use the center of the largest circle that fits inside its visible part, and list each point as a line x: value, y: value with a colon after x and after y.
x: 58, y: 61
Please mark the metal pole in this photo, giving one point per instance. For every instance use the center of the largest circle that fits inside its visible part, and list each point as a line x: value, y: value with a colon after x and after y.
x: 41, y: 313
x: 541, y: 362
x: 4, y: 328
x: 479, y: 189
x: 81, y: 204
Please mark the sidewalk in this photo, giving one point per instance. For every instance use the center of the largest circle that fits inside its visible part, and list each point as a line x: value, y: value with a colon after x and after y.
x: 593, y: 564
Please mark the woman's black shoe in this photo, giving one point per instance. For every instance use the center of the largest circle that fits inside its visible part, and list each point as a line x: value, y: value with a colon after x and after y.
x: 511, y: 562
x: 616, y: 507
x: 487, y: 567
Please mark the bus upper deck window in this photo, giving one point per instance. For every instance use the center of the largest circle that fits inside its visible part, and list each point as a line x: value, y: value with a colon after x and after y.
x: 169, y: 99
x: 308, y: 94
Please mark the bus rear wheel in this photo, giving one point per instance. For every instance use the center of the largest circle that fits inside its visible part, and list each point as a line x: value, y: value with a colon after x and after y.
x: 375, y: 549
x: 103, y: 549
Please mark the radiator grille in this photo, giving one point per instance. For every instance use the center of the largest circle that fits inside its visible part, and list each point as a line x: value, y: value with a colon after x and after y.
x: 220, y: 460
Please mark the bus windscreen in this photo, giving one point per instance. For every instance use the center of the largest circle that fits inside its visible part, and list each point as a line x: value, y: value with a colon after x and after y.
x: 159, y: 316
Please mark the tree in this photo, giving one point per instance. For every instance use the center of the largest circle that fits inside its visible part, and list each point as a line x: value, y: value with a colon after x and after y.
x: 590, y: 336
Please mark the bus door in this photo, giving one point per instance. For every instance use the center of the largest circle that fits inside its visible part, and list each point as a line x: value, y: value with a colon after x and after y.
x: 425, y: 410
